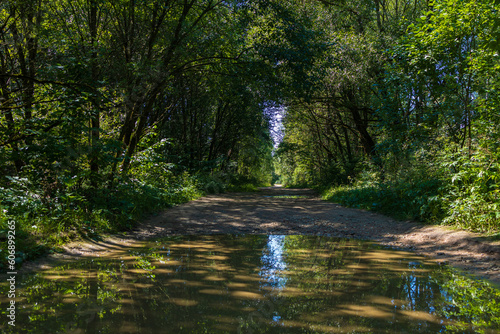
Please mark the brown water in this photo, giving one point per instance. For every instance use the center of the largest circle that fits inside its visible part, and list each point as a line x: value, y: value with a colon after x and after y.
x: 254, y: 284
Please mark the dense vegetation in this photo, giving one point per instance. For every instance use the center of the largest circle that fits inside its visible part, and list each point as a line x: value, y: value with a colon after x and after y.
x: 114, y: 109
x: 403, y: 116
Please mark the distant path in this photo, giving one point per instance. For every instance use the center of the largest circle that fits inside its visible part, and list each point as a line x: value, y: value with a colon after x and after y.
x: 278, y: 210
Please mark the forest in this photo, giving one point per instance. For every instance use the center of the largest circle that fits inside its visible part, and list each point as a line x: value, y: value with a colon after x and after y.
x: 115, y: 109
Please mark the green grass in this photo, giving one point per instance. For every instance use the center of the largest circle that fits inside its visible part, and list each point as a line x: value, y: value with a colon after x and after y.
x: 402, y: 201
x: 429, y: 201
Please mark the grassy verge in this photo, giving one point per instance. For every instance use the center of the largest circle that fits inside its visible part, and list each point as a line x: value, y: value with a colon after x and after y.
x: 429, y: 201
x: 401, y: 201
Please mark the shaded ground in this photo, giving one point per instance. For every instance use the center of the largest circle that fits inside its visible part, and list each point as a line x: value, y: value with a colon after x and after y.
x: 296, y: 211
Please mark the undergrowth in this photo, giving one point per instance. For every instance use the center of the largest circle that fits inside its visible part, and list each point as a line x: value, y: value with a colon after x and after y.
x: 417, y: 200
x: 45, y: 220
x: 43, y: 224
x: 461, y: 193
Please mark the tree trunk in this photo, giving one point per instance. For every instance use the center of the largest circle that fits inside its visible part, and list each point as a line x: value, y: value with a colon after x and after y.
x: 94, y: 121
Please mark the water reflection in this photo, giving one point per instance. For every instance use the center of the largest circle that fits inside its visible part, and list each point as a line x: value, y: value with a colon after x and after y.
x: 254, y: 284
x: 273, y: 263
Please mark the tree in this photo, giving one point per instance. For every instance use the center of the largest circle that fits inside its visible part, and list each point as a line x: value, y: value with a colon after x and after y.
x: 342, y: 109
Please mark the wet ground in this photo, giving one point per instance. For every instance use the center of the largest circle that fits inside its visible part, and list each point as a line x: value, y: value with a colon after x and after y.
x: 276, y: 210
x: 230, y: 283
x: 241, y: 262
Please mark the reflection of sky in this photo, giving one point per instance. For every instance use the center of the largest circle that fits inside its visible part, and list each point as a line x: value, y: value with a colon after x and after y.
x: 412, y: 291
x: 273, y: 262
x: 418, y: 291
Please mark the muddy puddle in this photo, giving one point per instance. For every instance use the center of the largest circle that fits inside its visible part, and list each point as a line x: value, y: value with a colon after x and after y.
x: 253, y: 284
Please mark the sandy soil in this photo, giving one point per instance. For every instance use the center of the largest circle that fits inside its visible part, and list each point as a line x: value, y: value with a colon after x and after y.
x: 297, y: 211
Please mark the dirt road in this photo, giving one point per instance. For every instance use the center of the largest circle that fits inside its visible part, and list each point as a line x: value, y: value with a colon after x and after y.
x: 292, y: 211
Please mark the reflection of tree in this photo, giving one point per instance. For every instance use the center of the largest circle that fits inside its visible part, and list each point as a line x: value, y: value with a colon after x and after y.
x: 345, y: 278
x: 67, y: 298
x: 215, y: 284
x: 474, y: 303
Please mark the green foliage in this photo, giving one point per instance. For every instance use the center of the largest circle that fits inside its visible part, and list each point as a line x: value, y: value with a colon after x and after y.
x: 415, y: 199
x: 405, y: 120
x: 113, y: 110
x: 471, y: 196
x: 212, y: 183
x: 472, y: 302
x: 242, y: 183
x: 42, y: 223
x: 458, y: 191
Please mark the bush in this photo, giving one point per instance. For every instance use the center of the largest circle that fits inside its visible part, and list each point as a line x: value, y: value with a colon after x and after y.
x: 403, y: 200
x: 463, y: 192
x: 44, y: 222
x: 472, y: 193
